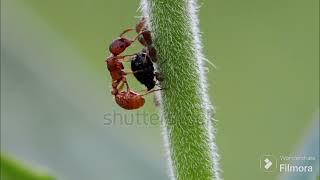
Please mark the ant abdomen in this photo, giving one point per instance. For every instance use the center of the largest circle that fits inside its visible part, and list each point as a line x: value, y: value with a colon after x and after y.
x: 143, y: 70
x: 129, y: 100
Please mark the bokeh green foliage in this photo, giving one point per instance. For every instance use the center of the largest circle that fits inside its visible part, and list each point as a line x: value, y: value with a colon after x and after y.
x: 11, y: 169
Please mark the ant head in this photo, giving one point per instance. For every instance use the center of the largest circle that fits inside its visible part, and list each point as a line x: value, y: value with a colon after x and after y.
x: 142, y: 40
x: 141, y: 25
x: 119, y: 45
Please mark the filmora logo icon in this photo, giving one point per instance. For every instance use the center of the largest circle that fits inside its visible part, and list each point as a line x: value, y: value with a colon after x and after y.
x: 268, y: 163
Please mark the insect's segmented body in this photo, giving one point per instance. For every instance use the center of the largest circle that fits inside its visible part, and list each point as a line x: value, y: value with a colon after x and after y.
x: 141, y: 67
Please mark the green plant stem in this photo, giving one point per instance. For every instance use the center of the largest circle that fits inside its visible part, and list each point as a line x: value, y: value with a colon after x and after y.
x: 11, y: 169
x: 185, y: 107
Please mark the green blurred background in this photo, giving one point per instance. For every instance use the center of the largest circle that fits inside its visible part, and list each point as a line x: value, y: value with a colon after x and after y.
x: 55, y: 88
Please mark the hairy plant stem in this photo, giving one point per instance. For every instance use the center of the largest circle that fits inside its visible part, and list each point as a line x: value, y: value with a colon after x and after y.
x: 186, y: 111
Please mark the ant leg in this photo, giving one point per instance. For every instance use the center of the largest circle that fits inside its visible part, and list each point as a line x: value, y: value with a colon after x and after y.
x: 143, y: 91
x: 127, y: 72
x: 151, y: 91
x: 131, y: 72
x: 146, y: 54
x: 114, y: 91
x: 124, y: 80
x: 122, y: 58
x: 120, y: 86
x: 115, y: 88
x: 158, y: 84
x: 125, y: 31
x: 116, y: 83
x: 159, y: 76
x: 129, y: 55
x: 128, y: 59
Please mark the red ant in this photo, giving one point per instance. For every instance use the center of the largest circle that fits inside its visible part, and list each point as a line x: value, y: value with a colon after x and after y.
x: 127, y: 99
x: 114, y: 61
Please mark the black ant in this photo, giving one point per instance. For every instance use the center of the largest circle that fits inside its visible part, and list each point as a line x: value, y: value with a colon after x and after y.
x: 114, y: 61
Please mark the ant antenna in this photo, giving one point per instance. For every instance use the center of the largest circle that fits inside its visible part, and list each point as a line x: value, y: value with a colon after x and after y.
x: 138, y: 35
x: 125, y: 31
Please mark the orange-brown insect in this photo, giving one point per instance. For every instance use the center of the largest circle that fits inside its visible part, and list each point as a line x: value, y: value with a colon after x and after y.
x: 114, y: 61
x: 128, y: 99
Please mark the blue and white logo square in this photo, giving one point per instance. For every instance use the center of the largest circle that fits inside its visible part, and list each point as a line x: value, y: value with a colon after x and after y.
x: 268, y: 163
